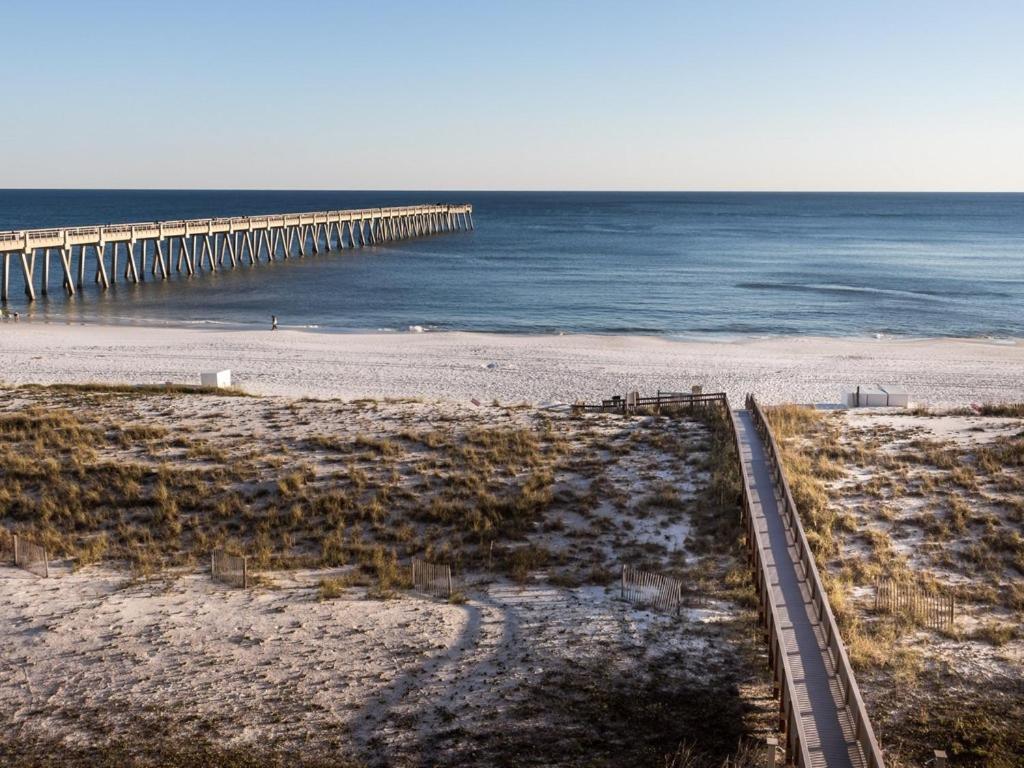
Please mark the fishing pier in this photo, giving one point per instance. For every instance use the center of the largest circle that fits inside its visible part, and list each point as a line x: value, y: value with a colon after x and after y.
x: 190, y: 247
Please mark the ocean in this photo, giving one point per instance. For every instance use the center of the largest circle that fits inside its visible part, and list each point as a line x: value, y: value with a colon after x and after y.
x: 672, y: 264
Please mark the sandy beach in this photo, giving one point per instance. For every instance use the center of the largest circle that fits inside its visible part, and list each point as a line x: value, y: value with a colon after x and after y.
x: 512, y: 368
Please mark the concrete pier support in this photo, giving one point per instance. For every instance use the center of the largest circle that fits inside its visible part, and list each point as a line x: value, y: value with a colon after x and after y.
x: 101, y: 267
x: 46, y: 272
x: 65, y: 263
x: 28, y: 264
x: 131, y: 269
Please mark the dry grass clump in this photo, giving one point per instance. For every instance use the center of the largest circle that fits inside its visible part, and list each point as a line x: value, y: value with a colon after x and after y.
x: 810, y: 449
x: 138, y: 389
x: 1011, y: 410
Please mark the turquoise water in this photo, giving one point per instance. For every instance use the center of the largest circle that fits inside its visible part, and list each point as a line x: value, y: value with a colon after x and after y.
x: 688, y: 264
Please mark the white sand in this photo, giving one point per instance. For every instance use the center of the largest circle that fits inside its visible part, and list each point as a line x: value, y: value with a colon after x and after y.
x: 86, y: 650
x: 538, y: 369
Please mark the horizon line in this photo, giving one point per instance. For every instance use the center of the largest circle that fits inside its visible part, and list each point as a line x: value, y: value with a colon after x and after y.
x: 530, y: 191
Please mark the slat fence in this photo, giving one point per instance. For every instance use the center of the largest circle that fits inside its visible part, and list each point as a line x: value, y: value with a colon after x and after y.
x: 32, y: 557
x: 230, y: 569
x: 433, y: 578
x: 663, y: 593
x: 934, y: 608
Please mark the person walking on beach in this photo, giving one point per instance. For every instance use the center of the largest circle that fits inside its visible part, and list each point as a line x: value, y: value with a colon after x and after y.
x: 273, y: 322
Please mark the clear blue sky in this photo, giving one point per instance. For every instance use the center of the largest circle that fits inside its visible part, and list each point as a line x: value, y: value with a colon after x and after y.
x: 709, y: 94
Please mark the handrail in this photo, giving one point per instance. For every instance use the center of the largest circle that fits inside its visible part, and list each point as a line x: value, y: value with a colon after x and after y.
x: 863, y: 731
x: 796, y: 737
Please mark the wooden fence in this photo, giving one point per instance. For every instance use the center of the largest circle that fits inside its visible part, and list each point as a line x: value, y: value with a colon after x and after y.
x: 31, y: 557
x: 634, y: 401
x: 231, y: 569
x: 663, y: 593
x: 933, y: 608
x: 432, y: 578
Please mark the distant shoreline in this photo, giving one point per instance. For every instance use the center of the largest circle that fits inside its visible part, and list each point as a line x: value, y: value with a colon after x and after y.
x: 539, y: 369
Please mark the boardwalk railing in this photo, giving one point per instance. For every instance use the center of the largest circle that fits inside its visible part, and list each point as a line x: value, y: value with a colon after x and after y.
x: 230, y: 569
x: 633, y: 402
x: 31, y: 557
x: 934, y: 609
x: 796, y: 741
x: 432, y: 578
x: 663, y: 593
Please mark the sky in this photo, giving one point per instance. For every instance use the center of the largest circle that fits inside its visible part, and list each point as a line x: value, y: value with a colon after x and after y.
x: 518, y: 95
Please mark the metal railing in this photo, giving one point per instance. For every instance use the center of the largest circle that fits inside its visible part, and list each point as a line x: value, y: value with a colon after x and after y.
x: 852, y: 698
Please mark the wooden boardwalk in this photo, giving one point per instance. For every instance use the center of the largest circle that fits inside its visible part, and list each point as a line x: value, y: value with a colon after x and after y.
x: 822, y: 711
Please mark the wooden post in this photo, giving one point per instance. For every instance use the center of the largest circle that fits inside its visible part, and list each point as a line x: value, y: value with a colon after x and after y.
x: 245, y: 573
x: 17, y: 559
x: 449, y: 569
x: 771, y: 745
x: 940, y: 758
x: 5, y: 291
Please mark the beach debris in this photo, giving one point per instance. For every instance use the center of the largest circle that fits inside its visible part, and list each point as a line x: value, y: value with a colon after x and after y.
x: 475, y: 402
x: 218, y: 379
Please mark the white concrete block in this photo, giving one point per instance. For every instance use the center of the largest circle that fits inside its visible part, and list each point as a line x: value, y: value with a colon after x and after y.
x: 896, y: 396
x: 217, y: 379
x: 864, y: 397
x: 874, y: 398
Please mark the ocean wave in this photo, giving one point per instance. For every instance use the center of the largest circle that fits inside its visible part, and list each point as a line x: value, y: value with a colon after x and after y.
x: 840, y: 288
